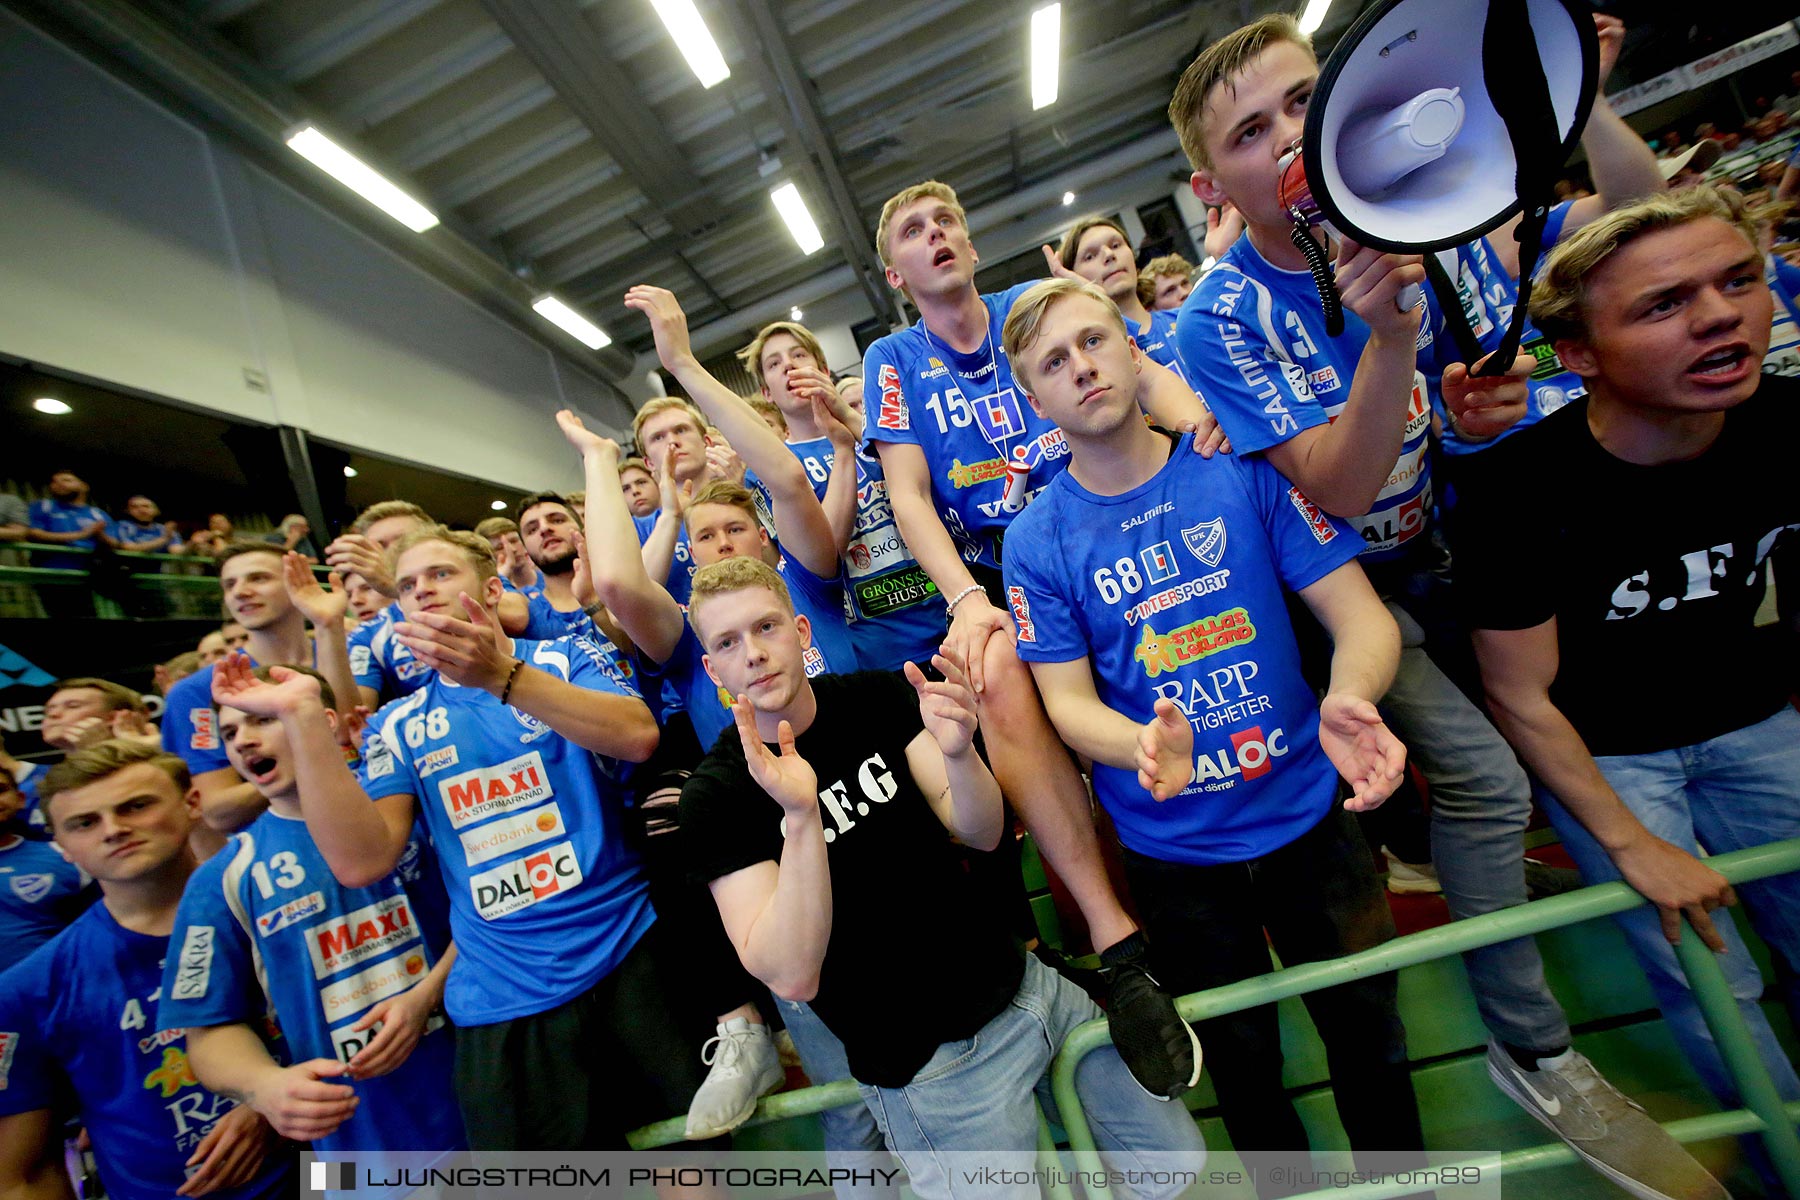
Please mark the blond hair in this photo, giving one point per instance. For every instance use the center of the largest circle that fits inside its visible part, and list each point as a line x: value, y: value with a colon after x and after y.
x: 723, y: 491
x: 474, y: 547
x: 1559, y: 294
x: 1158, y: 268
x: 634, y: 463
x: 734, y: 575
x: 105, y: 759
x: 751, y: 355
x: 663, y: 404
x: 932, y: 189
x: 1027, y: 314
x: 1221, y: 63
x: 1071, y: 243
x: 118, y: 696
x: 496, y: 527
x: 768, y: 410
x: 385, y: 509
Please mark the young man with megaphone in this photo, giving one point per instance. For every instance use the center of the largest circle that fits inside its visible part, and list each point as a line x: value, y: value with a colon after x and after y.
x: 1347, y: 418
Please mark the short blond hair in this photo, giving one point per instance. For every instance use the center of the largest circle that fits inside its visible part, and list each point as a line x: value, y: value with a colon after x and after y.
x: 768, y: 410
x: 931, y: 188
x: 1158, y: 268
x: 1021, y: 327
x: 118, y: 696
x: 385, y: 509
x: 1559, y: 294
x: 105, y: 759
x: 1221, y: 63
x: 751, y: 355
x: 496, y: 527
x: 473, y: 546
x: 632, y: 462
x: 663, y: 404
x: 723, y: 491
x: 735, y: 575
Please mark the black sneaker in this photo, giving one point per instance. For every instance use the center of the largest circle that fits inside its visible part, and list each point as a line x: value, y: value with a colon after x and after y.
x: 1159, y: 1048
x: 1091, y: 980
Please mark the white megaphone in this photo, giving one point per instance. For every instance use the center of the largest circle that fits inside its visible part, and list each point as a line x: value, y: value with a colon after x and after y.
x: 1433, y: 121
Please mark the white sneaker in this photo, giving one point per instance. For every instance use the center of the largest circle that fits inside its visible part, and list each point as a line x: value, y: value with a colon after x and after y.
x: 1410, y: 878
x: 745, y: 1068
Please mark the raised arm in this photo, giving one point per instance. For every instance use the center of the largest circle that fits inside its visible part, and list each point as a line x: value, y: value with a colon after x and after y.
x: 778, y: 914
x: 956, y: 783
x: 643, y: 607
x: 1161, y: 750
x: 1517, y: 669
x: 325, y: 611
x: 467, y: 651
x: 361, y: 841
x: 799, y: 520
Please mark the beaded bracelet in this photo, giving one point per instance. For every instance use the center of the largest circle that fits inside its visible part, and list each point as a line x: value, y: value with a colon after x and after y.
x: 510, y: 676
x: 961, y: 596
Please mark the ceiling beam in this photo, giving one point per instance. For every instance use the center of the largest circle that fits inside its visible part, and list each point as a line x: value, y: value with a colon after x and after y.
x: 782, y: 80
x: 560, y: 41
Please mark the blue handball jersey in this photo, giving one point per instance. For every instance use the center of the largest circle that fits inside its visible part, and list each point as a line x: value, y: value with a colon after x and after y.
x: 681, y: 567
x: 1253, y: 335
x: 545, y: 899
x: 81, y: 1013
x: 264, y: 924
x: 1157, y: 340
x: 1783, y: 279
x: 381, y: 662
x: 132, y: 534
x: 820, y: 601
x: 896, y: 612
x: 40, y: 893
x: 545, y: 622
x: 53, y: 516
x: 1489, y: 295
x: 964, y: 413
x: 1174, y: 589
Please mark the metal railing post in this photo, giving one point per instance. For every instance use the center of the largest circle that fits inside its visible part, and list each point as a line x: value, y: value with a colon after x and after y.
x: 1712, y: 992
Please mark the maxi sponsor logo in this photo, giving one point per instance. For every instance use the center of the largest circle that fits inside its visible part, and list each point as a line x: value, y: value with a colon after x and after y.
x: 389, y: 977
x: 891, y: 412
x: 1160, y: 653
x: 484, y: 843
x: 525, y: 881
x: 358, y: 936
x: 1319, y: 523
x: 1181, y: 593
x: 487, y: 791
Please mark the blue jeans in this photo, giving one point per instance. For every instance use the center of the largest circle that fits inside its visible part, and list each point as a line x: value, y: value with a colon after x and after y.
x: 1480, y: 804
x: 852, y: 1141
x: 971, y: 1106
x: 1738, y: 790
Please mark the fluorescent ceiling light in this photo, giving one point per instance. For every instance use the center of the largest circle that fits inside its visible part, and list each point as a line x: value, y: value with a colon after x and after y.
x: 51, y: 406
x: 1314, y: 16
x: 498, y: 505
x: 571, y: 322
x: 349, y: 472
x: 800, y: 223
x: 362, y: 179
x: 1046, y: 36
x: 1068, y: 199
x: 693, y: 39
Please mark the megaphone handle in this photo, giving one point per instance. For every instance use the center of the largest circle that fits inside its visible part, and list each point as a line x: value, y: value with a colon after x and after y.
x: 1409, y: 298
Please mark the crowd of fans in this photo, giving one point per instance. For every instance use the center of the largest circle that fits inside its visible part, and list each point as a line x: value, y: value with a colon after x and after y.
x: 474, y: 843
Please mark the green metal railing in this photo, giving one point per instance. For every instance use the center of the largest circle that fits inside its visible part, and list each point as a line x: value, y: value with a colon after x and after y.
x: 1764, y: 1112
x: 190, y: 592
